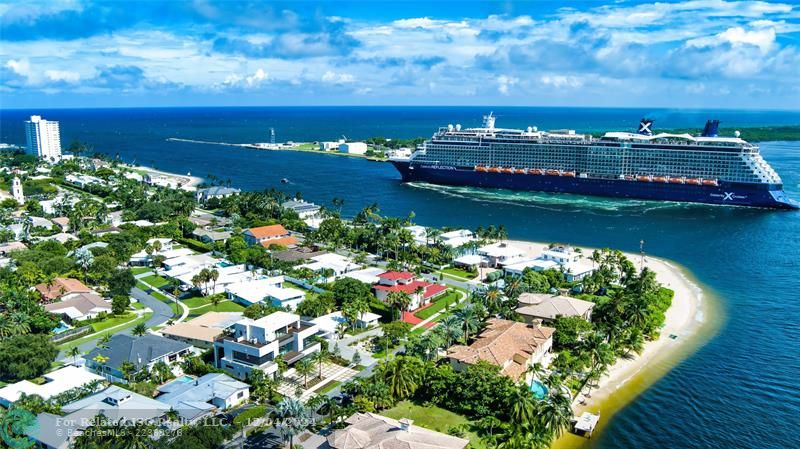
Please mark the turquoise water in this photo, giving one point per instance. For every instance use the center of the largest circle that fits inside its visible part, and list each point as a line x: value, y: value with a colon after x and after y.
x: 739, y: 390
x: 62, y: 327
x: 184, y: 379
x: 538, y: 389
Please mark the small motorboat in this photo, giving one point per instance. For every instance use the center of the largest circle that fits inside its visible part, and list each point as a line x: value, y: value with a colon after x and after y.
x: 284, y: 180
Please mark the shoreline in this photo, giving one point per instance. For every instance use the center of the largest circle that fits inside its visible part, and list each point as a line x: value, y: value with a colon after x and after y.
x: 194, y: 181
x: 688, y: 318
x: 253, y: 146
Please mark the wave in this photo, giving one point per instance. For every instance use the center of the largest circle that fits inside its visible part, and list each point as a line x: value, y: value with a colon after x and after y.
x: 555, y: 201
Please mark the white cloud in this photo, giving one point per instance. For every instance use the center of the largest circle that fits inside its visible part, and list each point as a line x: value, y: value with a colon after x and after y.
x: 331, y: 77
x: 63, y: 75
x: 19, y: 66
x: 559, y: 81
x: 764, y: 39
x: 504, y: 82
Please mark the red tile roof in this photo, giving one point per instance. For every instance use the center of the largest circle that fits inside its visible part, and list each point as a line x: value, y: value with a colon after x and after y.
x: 60, y: 287
x: 283, y: 241
x: 410, y: 288
x: 396, y: 275
x: 263, y: 232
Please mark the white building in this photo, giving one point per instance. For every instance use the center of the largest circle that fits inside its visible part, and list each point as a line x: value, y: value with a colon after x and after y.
x: 270, y: 290
x: 16, y: 190
x: 255, y: 344
x: 43, y: 138
x: 501, y: 254
x: 457, y: 238
x: 330, y: 146
x: 335, y: 264
x: 353, y: 147
x: 55, y: 383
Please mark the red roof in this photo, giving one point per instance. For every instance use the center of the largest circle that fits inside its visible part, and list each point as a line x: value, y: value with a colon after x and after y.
x: 262, y: 232
x: 409, y: 289
x: 283, y: 241
x: 396, y: 275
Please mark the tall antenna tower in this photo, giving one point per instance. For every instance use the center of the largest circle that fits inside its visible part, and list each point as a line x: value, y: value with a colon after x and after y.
x: 272, y: 136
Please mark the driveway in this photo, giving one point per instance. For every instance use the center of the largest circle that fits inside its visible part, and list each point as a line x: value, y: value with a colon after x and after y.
x: 161, y: 311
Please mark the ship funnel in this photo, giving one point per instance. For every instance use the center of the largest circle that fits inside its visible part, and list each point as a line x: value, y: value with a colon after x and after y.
x: 645, y: 127
x: 711, y: 129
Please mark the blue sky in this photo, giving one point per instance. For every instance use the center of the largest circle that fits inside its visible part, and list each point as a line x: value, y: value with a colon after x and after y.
x: 692, y: 54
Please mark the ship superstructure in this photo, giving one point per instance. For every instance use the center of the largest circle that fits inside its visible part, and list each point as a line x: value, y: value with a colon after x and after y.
x: 706, y: 168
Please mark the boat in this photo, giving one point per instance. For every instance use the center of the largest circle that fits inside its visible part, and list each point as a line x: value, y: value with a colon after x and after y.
x: 601, y: 166
x: 284, y: 180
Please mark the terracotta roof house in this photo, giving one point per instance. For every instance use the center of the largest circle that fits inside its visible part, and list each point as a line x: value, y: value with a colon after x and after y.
x: 373, y: 431
x: 406, y: 282
x: 511, y: 345
x: 81, y: 306
x: 63, y: 288
x: 538, y: 306
x: 267, y: 236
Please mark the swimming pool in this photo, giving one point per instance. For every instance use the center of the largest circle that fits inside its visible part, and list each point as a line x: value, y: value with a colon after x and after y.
x: 538, y: 389
x: 184, y: 379
x: 62, y: 327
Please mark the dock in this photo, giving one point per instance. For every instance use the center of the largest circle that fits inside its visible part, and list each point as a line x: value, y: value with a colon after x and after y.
x: 585, y: 424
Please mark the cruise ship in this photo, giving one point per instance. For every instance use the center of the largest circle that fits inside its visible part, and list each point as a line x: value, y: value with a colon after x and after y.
x: 645, y: 165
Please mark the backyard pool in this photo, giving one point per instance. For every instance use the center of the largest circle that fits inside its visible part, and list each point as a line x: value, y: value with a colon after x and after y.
x: 184, y: 379
x: 62, y: 327
x: 538, y: 389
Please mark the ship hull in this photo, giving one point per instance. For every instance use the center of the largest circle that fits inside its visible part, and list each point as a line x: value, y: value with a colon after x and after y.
x: 729, y: 194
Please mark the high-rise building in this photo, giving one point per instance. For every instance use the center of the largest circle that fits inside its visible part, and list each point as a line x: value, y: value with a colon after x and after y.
x: 16, y: 190
x: 44, y: 139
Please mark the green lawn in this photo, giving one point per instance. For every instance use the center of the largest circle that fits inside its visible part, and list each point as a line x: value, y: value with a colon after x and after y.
x: 156, y: 281
x: 68, y: 345
x: 250, y: 414
x: 439, y: 304
x: 197, y: 302
x: 433, y: 418
x: 139, y: 270
x: 224, y: 306
x: 112, y: 321
x: 137, y: 305
x: 458, y: 272
x: 328, y: 387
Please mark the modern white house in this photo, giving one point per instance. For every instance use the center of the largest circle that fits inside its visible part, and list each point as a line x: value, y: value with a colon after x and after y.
x: 219, y: 192
x: 353, y: 147
x: 270, y: 290
x: 55, y: 383
x: 329, y: 324
x: 457, y: 238
x: 43, y: 138
x: 562, y: 258
x: 255, y: 344
x: 500, y: 254
x: 334, y: 264
x: 195, y: 399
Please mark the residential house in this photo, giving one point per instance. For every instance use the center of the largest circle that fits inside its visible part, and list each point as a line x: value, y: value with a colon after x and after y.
x: 329, y: 324
x: 83, y: 181
x: 267, y: 236
x: 561, y: 258
x: 255, y: 344
x: 195, y: 399
x: 500, y: 254
x: 55, y: 383
x: 219, y: 192
x: 61, y: 288
x: 546, y: 307
x: 62, y: 222
x: 369, y: 275
x: 9, y: 247
x: 209, y: 236
x: 419, y: 234
x: 331, y: 265
x: 268, y: 289
x: 373, y: 431
x: 421, y: 292
x: 203, y: 330
x: 511, y: 345
x: 457, y: 238
x: 79, y: 307
x: 115, y: 403
x: 142, y: 352
x: 308, y: 212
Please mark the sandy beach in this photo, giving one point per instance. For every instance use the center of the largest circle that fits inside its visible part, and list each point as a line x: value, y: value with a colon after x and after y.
x: 191, y: 181
x: 684, y: 319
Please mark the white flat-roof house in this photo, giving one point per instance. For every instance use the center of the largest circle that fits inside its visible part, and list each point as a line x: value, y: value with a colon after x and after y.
x: 457, y: 238
x: 270, y: 290
x: 255, y: 344
x: 55, y: 383
x: 500, y: 254
x: 198, y: 398
x: 562, y: 258
x: 336, y: 264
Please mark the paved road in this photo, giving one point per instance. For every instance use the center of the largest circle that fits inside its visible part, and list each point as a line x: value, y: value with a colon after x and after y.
x: 161, y: 311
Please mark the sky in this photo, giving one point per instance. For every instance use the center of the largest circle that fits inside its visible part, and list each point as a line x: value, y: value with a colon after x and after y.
x: 687, y: 54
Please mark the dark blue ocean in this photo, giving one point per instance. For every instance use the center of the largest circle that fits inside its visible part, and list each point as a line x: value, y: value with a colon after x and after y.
x: 740, y: 390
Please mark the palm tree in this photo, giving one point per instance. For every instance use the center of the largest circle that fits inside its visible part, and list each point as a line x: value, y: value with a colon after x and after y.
x: 403, y: 376
x: 304, y: 368
x: 523, y: 412
x: 398, y: 300
x: 291, y: 417
x: 469, y: 320
x: 320, y: 357
x: 213, y: 275
x: 450, y: 329
x: 74, y: 352
x: 139, y: 330
x: 555, y: 414
x: 104, y: 340
x: 215, y: 300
